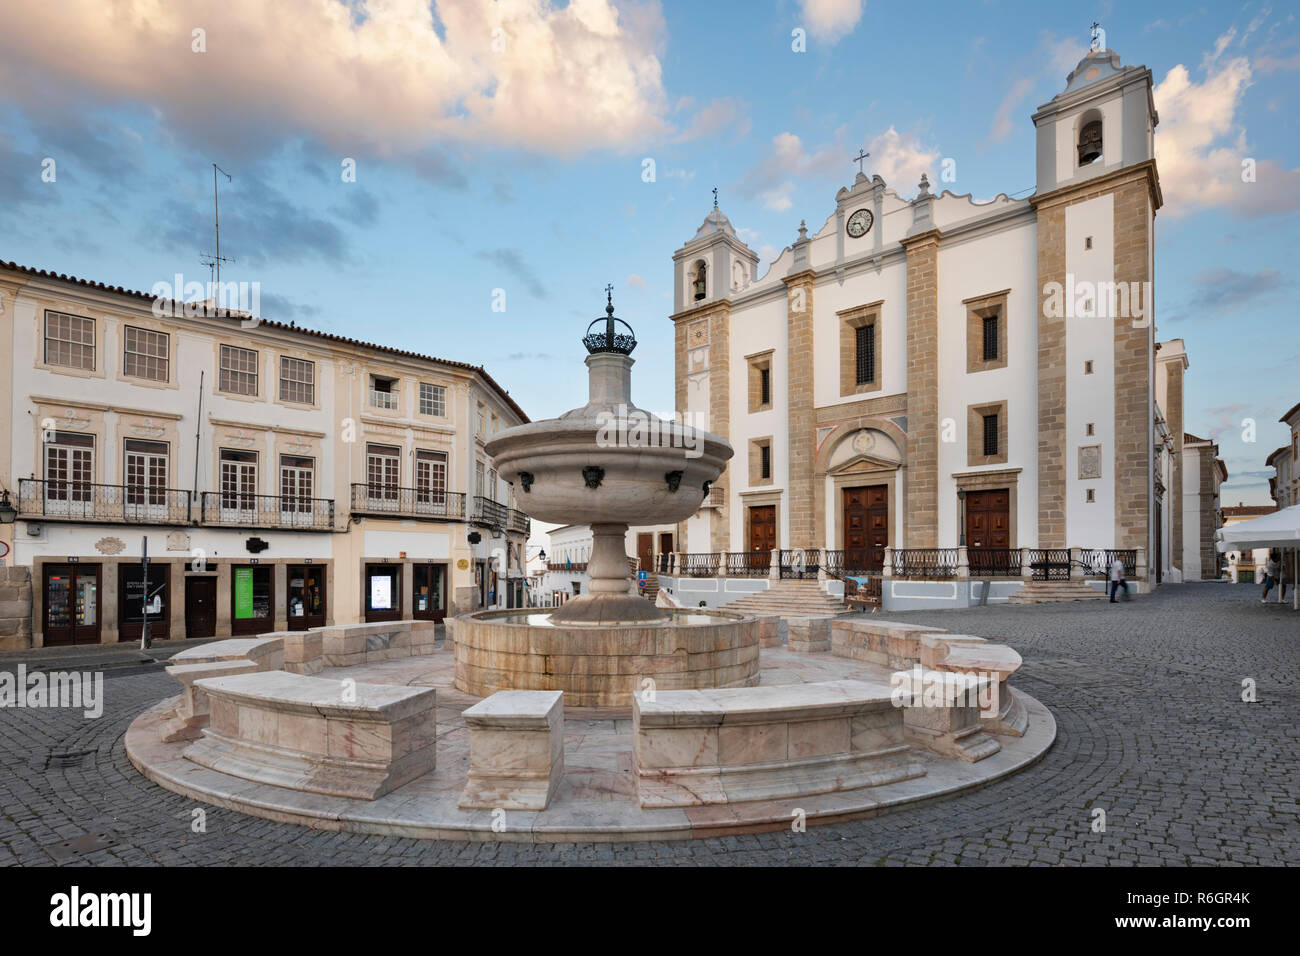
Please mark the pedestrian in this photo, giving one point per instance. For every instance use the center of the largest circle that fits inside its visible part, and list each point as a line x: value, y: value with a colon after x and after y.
x: 1272, y: 572
x: 1117, y: 578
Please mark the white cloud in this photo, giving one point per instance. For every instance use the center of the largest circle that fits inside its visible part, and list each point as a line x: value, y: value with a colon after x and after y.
x: 773, y: 179
x: 1051, y: 61
x: 1201, y: 144
x: 369, y: 77
x: 635, y: 281
x: 900, y: 159
x: 831, y: 20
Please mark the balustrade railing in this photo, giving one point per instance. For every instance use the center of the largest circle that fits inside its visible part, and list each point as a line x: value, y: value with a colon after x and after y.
x: 858, y: 561
x: 86, y: 501
x: 699, y: 565
x: 1050, y: 564
x: 748, y: 564
x: 238, y: 510
x: 993, y: 562
x: 1097, y: 561
x: 925, y: 563
x: 798, y: 563
x: 407, y: 502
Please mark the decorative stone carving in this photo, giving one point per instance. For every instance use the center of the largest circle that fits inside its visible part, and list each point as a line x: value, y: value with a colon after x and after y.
x: 593, y: 476
x: 1090, y: 461
x: 178, y: 541
x: 526, y: 480
x: 110, y: 545
x: 674, y: 480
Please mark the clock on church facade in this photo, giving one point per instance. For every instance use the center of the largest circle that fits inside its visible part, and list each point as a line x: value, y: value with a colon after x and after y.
x: 859, y: 223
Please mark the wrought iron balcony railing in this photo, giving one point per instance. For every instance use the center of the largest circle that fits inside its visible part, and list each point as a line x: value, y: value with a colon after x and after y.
x: 54, y: 500
x: 748, y: 564
x: 487, y: 511
x: 993, y: 562
x: 407, y: 502
x: 702, y: 565
x: 925, y: 563
x: 796, y: 563
x: 1097, y: 561
x: 1050, y: 564
x: 238, y: 510
x: 856, y: 561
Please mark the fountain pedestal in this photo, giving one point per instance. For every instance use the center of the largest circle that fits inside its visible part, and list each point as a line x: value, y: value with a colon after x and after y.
x: 608, y: 599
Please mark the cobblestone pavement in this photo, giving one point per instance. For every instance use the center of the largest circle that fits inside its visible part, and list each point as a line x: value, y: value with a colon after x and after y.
x: 1152, y: 729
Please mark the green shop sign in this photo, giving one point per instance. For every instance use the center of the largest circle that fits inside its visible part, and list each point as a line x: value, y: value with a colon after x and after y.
x: 243, y: 593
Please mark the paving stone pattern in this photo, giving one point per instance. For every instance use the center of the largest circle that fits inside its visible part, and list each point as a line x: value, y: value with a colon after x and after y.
x: 1152, y: 729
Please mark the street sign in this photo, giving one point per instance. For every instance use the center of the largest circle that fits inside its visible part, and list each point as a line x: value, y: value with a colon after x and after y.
x: 640, y: 575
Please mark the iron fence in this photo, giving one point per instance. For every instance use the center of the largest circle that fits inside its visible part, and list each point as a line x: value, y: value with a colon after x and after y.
x: 1050, y: 564
x: 993, y: 562
x: 86, y: 501
x: 797, y: 564
x: 925, y: 563
x: 858, y: 561
x: 748, y: 564
x: 701, y: 565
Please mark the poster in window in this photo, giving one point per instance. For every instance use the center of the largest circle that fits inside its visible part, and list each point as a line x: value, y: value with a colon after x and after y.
x: 243, y: 593
x: 381, y: 593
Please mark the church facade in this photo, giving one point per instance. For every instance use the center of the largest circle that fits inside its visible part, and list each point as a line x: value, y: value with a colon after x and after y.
x: 930, y: 372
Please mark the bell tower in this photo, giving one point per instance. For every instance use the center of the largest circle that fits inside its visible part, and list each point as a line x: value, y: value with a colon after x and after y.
x: 714, y: 264
x: 1096, y: 200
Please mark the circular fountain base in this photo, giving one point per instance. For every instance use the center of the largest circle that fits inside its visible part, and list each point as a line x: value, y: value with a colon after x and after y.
x: 602, y: 665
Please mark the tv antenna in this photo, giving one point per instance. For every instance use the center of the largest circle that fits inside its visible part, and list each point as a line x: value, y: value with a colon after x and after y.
x: 213, y: 261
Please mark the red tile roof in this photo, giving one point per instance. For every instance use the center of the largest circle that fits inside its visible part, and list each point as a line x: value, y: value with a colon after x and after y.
x: 1247, y: 511
x: 132, y: 293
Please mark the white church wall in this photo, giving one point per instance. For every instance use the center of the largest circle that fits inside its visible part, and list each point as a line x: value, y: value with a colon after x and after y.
x: 830, y: 297
x: 1090, y: 397
x: 1006, y: 259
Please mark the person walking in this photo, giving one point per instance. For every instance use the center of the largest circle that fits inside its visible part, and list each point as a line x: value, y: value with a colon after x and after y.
x: 1117, y: 578
x: 1272, y: 571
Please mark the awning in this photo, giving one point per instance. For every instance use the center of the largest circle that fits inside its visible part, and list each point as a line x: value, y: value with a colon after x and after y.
x: 1281, y: 529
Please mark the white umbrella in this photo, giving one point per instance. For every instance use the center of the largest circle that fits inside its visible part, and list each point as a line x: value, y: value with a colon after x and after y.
x: 1280, y: 529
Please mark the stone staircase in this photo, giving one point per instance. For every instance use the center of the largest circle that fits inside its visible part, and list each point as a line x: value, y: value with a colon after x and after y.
x: 1050, y: 592
x: 790, y: 598
x: 651, y: 587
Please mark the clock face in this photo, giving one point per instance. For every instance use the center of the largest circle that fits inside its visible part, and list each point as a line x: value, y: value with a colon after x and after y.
x: 860, y: 223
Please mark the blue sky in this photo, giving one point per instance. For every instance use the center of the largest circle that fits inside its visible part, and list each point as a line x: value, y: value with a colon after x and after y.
x: 501, y: 146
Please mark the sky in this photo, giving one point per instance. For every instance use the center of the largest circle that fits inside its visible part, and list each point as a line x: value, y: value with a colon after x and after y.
x: 402, y: 170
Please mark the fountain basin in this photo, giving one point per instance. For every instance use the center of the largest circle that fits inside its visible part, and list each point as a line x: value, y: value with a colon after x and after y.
x: 604, y: 665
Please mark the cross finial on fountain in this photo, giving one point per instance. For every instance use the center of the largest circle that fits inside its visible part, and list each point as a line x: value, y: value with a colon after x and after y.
x: 1096, y: 39
x: 715, y: 197
x: 609, y: 299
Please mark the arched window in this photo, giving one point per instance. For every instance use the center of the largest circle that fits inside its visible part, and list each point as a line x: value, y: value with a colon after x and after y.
x: 1089, y: 138
x: 737, y: 276
x: 699, y: 284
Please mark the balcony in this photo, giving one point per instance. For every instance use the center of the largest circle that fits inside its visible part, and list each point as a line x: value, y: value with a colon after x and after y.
x: 290, y: 512
x: 43, y: 500
x: 407, y: 502
x: 716, y: 498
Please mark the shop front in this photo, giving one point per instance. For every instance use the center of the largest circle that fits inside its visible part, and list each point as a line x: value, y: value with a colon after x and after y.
x: 383, y: 592
x: 429, y: 591
x: 306, y: 596
x: 252, y: 599
x: 71, y: 603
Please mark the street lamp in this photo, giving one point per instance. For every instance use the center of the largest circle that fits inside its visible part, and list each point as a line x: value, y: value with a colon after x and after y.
x: 8, y: 513
x: 961, y: 516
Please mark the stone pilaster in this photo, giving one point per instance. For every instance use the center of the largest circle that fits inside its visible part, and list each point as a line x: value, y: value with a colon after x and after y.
x: 922, y: 389
x: 1174, y: 421
x: 799, y: 383
x: 720, y: 415
x: 1051, y: 382
x: 1134, y: 348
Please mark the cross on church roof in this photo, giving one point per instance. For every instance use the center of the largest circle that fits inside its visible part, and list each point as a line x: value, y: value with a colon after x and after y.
x: 715, y: 197
x: 862, y: 155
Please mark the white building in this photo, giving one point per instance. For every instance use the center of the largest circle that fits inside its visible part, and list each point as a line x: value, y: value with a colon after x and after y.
x: 930, y: 372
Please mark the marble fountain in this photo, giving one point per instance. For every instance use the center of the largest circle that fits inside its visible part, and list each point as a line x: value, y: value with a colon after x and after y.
x: 605, y: 719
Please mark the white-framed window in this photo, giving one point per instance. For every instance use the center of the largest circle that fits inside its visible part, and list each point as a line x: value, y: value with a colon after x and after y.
x: 480, y: 477
x: 237, y: 372
x: 433, y: 400
x: 430, y: 478
x: 383, y: 391
x: 297, y: 380
x: 145, y: 467
x: 492, y: 484
x: 238, y: 481
x: 69, y: 341
x: 146, y: 354
x: 297, y: 481
x: 383, y: 471
x: 69, y: 473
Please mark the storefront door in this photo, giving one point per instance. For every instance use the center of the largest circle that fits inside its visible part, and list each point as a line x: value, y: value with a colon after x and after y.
x: 72, y: 604
x: 383, y: 592
x: 132, y: 598
x: 306, y: 596
x: 430, y: 591
x: 252, y: 599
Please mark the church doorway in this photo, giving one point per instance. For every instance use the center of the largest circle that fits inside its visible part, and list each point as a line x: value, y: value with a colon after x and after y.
x: 866, y: 527
x: 988, y: 529
x: 762, y: 534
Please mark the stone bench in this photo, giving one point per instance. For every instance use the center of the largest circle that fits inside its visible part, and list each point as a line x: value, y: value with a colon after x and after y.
x: 190, y: 715
x: 973, y: 655
x: 516, y: 750
x: 326, y: 736
x: 769, y: 630
x: 941, y: 711
x: 808, y: 635
x: 303, y: 651
x: 346, y: 645
x: 699, y: 747
x: 266, y: 652
x: 887, y: 643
